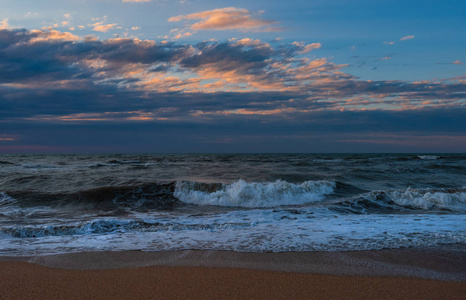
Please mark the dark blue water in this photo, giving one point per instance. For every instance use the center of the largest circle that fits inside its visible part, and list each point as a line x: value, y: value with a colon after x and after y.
x: 242, y: 202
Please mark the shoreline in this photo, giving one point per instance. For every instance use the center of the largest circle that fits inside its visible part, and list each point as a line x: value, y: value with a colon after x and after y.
x: 429, y: 273
x: 447, y: 263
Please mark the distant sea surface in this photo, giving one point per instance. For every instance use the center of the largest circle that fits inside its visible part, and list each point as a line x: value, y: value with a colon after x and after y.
x: 241, y: 202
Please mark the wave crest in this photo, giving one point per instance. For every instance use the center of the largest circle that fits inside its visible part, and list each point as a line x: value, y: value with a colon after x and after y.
x: 428, y: 157
x: 253, y: 194
x: 448, y: 199
x: 410, y: 199
x: 111, y: 226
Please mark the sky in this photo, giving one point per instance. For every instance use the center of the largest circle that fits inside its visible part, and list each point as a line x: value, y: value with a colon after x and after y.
x: 152, y: 76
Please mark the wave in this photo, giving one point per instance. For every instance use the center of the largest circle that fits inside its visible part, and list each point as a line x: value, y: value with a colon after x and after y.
x: 167, y: 195
x: 453, y: 200
x: 114, y: 163
x: 38, y: 166
x: 6, y: 200
x: 431, y: 199
x: 253, y: 194
x: 110, y: 226
x: 428, y: 157
x: 150, y: 195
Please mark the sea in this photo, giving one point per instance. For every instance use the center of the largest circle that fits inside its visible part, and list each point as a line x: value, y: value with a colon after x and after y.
x: 52, y: 204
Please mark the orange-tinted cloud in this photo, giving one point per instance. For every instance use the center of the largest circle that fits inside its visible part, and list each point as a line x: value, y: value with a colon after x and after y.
x: 98, y: 117
x: 182, y: 35
x: 227, y: 19
x: 4, y: 24
x: 101, y: 27
x: 50, y: 35
x: 63, y: 62
x: 408, y: 37
x: 306, y: 48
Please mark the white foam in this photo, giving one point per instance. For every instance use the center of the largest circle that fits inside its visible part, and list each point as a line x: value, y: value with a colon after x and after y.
x: 430, y: 199
x: 255, y: 194
x: 428, y: 157
x: 260, y: 230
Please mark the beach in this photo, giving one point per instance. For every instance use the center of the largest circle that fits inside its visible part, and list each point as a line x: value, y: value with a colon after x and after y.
x: 431, y: 273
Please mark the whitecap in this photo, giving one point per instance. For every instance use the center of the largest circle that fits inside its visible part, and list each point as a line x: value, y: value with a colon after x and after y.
x: 255, y: 194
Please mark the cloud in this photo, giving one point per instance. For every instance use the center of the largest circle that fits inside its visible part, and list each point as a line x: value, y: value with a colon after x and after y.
x: 408, y: 37
x: 4, y: 24
x: 306, y: 48
x: 229, y: 18
x: 68, y: 16
x: 182, y: 35
x: 50, y: 35
x: 101, y: 27
x: 136, y: 1
x: 247, y: 78
x: 57, y: 88
x: 457, y: 62
x: 127, y: 94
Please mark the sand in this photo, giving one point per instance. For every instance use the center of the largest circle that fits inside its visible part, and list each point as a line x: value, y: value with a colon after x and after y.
x: 438, y: 273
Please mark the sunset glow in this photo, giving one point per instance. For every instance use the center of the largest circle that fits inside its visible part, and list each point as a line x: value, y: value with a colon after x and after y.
x: 326, y: 76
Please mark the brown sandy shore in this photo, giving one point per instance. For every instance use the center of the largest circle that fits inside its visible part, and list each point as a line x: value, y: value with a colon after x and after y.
x: 433, y: 273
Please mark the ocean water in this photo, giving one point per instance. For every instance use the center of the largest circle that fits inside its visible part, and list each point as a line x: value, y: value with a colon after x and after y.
x: 241, y: 202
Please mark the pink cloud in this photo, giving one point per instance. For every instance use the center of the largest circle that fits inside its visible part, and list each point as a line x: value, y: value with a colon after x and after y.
x: 408, y: 37
x: 101, y: 27
x: 52, y: 35
x: 182, y: 35
x: 99, y: 117
x: 306, y: 48
x: 4, y: 24
x: 226, y: 19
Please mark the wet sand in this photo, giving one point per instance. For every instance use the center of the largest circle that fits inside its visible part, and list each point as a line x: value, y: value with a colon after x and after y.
x: 438, y: 273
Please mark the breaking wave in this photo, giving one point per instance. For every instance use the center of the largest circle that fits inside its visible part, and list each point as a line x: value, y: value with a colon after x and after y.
x: 110, y: 226
x: 165, y: 195
x: 253, y: 194
x: 453, y: 200
x: 428, y: 157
